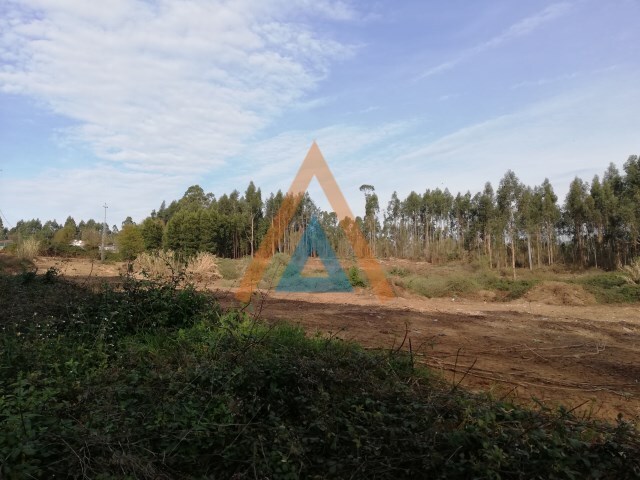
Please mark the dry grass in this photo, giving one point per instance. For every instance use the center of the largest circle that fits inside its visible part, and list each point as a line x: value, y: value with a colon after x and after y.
x: 28, y: 249
x: 631, y: 272
x: 166, y: 264
x: 158, y: 265
x: 203, y: 267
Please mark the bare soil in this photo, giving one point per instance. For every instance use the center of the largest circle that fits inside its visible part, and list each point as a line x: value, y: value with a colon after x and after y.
x: 555, y: 345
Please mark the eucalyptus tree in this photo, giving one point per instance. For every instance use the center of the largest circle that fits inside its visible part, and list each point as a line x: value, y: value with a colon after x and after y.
x: 371, y: 208
x: 576, y: 215
x: 508, y: 197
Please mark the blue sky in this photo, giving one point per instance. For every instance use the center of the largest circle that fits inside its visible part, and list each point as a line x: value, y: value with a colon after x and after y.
x: 130, y: 102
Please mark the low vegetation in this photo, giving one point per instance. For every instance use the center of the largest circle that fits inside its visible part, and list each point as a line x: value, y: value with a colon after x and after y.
x: 461, y: 281
x: 150, y: 380
x: 631, y: 272
x: 167, y: 265
x: 477, y: 282
x: 27, y: 249
x: 610, y: 287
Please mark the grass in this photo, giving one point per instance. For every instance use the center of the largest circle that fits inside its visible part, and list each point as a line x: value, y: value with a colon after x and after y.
x: 154, y: 381
x: 27, y: 249
x: 229, y: 268
x: 610, y: 287
x: 467, y: 280
x: 437, y: 285
x: 166, y: 265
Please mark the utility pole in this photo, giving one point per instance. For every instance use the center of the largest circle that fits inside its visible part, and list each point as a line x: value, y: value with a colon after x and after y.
x: 104, y: 232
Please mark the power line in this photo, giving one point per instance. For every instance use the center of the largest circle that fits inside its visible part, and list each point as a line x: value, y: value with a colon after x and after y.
x: 6, y: 220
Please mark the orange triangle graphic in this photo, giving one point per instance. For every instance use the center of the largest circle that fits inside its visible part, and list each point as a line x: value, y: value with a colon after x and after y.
x: 314, y: 164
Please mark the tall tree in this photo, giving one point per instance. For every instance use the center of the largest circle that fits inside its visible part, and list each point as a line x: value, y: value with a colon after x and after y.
x: 130, y: 242
x: 576, y: 215
x: 508, y: 197
x: 152, y: 231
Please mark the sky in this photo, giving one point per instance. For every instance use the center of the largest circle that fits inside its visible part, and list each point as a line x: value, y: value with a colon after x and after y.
x: 130, y: 102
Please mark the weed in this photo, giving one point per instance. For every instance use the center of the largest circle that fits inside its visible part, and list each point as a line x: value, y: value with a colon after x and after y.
x: 27, y: 249
x: 356, y: 278
x: 611, y: 287
x: 399, y: 271
x: 154, y: 380
x: 631, y: 272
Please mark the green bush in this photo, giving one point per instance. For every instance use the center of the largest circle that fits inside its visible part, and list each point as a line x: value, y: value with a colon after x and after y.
x: 68, y: 251
x: 229, y: 268
x: 438, y: 285
x: 356, y: 279
x: 510, y: 289
x: 150, y: 381
x: 399, y: 271
x: 611, y: 288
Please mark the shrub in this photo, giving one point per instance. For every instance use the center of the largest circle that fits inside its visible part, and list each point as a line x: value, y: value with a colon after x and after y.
x: 163, y: 264
x: 203, y: 267
x: 399, y: 271
x: 67, y: 251
x: 631, y: 272
x: 356, y: 279
x: 152, y: 381
x: 27, y: 249
x: 611, y: 287
x: 228, y: 268
x: 511, y: 289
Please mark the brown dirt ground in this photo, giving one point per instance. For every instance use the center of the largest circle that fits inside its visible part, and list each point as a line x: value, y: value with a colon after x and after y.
x: 554, y: 345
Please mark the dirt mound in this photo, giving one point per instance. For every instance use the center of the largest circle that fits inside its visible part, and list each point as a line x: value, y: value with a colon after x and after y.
x: 560, y: 293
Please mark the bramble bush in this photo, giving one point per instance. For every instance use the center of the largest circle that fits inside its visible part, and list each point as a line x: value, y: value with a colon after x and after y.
x: 152, y: 380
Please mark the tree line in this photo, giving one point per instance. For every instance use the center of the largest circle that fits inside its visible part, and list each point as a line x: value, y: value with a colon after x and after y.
x: 513, y: 225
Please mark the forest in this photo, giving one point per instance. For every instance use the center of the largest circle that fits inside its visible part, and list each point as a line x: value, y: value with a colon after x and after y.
x: 510, y: 226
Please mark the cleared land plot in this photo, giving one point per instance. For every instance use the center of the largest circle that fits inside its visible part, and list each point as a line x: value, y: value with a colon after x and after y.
x: 558, y: 353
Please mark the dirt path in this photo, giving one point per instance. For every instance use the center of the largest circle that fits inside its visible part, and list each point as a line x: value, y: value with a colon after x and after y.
x: 555, y: 353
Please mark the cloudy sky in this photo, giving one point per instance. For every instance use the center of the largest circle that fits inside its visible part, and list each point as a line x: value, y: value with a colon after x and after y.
x: 130, y: 102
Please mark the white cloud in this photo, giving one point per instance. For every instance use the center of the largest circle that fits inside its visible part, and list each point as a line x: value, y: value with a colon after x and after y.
x: 80, y: 193
x: 576, y: 133
x: 517, y: 30
x: 165, y: 86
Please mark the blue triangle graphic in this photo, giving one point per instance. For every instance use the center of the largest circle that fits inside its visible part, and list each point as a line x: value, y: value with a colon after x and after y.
x: 314, y: 240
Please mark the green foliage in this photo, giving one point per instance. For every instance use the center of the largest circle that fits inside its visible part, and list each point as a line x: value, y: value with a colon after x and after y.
x: 611, y: 288
x: 151, y: 381
x: 510, y: 289
x: 152, y: 232
x: 130, y: 242
x: 229, y: 269
x: 448, y: 282
x: 65, y: 235
x: 183, y: 232
x: 399, y: 271
x: 356, y: 278
x: 66, y: 250
x: 433, y: 286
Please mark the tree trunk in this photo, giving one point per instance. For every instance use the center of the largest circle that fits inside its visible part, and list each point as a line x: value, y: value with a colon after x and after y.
x: 252, y: 236
x: 513, y: 254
